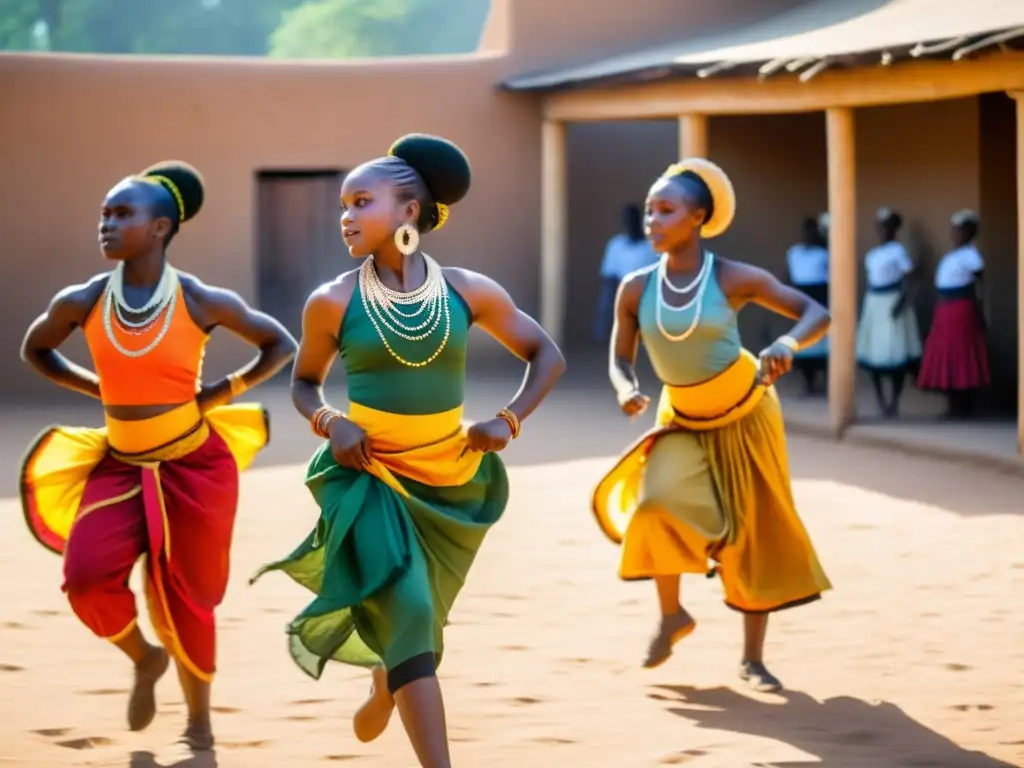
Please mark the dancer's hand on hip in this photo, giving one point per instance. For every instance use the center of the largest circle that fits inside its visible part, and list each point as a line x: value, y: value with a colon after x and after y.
x: 486, y: 436
x: 350, y: 445
x: 775, y: 361
x: 635, y: 404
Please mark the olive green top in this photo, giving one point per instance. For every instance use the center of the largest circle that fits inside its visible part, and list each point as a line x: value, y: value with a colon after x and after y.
x: 377, y: 380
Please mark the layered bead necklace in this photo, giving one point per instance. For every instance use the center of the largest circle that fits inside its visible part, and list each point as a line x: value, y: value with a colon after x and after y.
x: 698, y: 285
x: 116, y: 308
x: 387, y: 308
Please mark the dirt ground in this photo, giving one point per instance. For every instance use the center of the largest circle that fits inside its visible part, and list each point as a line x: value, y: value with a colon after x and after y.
x: 915, y: 659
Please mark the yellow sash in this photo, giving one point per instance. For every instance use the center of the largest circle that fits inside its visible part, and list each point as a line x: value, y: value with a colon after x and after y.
x: 430, y: 449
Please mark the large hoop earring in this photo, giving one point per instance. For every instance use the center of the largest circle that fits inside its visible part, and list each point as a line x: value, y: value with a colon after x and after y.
x: 407, y: 239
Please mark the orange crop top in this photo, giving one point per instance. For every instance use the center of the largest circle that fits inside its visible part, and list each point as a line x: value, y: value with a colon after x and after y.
x: 166, y: 375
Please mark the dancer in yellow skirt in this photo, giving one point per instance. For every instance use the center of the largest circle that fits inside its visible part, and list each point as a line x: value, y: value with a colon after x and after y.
x: 711, y: 481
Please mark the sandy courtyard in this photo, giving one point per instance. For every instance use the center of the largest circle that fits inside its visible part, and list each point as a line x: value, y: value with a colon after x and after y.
x: 915, y: 659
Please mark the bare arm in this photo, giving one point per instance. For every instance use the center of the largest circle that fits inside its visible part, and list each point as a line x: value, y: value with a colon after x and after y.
x: 626, y: 337
x: 321, y: 323
x: 746, y: 284
x: 226, y: 309
x: 67, y: 311
x: 496, y: 313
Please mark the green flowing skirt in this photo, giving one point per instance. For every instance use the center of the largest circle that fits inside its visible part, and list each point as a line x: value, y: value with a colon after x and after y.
x: 385, y: 568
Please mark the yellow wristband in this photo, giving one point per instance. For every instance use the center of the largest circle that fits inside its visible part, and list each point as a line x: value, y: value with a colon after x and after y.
x: 236, y: 384
x: 789, y: 341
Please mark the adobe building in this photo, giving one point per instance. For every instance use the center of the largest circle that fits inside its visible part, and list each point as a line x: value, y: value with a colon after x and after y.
x: 568, y: 110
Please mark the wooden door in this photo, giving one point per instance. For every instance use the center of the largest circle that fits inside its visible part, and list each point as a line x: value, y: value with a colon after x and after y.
x: 300, y: 244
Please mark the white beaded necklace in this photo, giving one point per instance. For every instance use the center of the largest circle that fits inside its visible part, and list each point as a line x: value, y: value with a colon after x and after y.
x: 700, y: 282
x: 383, y: 308
x: 114, y: 305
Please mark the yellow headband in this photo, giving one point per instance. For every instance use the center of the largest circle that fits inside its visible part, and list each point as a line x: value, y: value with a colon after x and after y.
x: 442, y: 209
x: 170, y: 186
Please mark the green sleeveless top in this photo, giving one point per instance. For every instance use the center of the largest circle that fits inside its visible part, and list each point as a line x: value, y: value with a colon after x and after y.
x: 377, y: 380
x: 713, y: 346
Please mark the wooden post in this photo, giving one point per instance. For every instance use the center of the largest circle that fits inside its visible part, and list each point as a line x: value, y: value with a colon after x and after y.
x: 554, y: 216
x: 842, y: 280
x: 693, y: 136
x: 1019, y: 97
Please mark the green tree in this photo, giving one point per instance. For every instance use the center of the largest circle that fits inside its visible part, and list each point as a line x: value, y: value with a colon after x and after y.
x: 227, y: 27
x: 352, y: 28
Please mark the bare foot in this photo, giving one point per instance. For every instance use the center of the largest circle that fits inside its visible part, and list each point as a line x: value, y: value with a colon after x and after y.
x: 371, y: 719
x: 757, y: 676
x: 142, y: 702
x: 197, y: 737
x: 672, y: 630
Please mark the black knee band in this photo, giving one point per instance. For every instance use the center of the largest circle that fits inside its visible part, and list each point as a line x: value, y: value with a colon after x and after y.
x: 411, y: 670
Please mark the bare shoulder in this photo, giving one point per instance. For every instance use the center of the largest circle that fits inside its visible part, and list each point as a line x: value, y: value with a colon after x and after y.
x: 738, y: 276
x: 467, y: 280
x: 76, y: 301
x: 197, y: 290
x: 632, y: 286
x: 329, y: 302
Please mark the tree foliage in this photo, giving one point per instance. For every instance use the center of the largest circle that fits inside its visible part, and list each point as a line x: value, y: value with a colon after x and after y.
x: 282, y: 28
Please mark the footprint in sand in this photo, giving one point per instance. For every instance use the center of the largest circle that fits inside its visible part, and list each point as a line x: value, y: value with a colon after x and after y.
x: 514, y: 648
x: 972, y: 707
x: 341, y: 758
x: 300, y: 718
x: 11, y: 668
x: 15, y: 625
x: 89, y: 742
x: 526, y: 700
x: 309, y: 702
x: 553, y: 741
x: 954, y: 667
x: 686, y: 756
x: 52, y: 733
x: 485, y: 684
x: 106, y: 692
x: 226, y: 710
x: 255, y: 744
x: 46, y: 613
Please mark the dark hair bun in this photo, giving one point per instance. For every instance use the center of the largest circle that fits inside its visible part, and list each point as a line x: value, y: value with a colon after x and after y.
x: 186, y: 180
x: 443, y: 167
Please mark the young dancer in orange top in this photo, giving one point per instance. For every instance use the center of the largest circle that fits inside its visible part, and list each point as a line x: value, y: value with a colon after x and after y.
x: 160, y: 481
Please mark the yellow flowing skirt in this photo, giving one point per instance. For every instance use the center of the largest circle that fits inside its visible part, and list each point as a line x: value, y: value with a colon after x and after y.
x: 711, y: 483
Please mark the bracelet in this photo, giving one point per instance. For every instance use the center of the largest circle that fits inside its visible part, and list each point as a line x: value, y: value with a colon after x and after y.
x: 236, y: 384
x: 789, y: 341
x: 321, y: 420
x: 511, y: 419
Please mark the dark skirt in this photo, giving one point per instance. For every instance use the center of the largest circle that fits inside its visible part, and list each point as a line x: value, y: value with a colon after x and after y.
x: 955, y: 353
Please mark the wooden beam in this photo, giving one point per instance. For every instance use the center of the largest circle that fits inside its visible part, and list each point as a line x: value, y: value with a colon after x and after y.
x: 693, y: 135
x: 554, y: 217
x: 901, y: 83
x: 842, y: 276
x: 1019, y: 97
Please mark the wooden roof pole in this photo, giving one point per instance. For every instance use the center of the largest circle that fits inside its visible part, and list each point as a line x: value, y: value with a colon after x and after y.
x: 554, y: 215
x: 842, y: 278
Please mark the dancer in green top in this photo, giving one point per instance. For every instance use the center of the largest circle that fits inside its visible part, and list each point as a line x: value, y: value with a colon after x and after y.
x: 406, y: 493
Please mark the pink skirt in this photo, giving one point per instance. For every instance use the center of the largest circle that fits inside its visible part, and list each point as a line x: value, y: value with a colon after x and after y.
x: 955, y: 353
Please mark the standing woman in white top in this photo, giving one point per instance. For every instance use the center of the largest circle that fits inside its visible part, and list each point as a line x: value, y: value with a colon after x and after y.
x: 955, y: 356
x: 888, y: 339
x: 625, y: 253
x: 807, y: 264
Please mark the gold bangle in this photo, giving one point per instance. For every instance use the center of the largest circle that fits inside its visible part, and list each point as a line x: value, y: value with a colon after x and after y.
x: 789, y: 341
x: 315, y: 421
x: 237, y: 385
x: 512, y: 420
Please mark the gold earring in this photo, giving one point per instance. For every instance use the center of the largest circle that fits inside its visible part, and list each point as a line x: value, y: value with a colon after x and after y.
x: 407, y: 239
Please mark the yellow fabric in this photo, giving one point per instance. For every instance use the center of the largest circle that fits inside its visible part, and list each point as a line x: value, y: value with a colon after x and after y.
x: 147, y: 434
x: 429, y: 449
x: 57, y: 470
x: 728, y: 397
x: 680, y: 497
